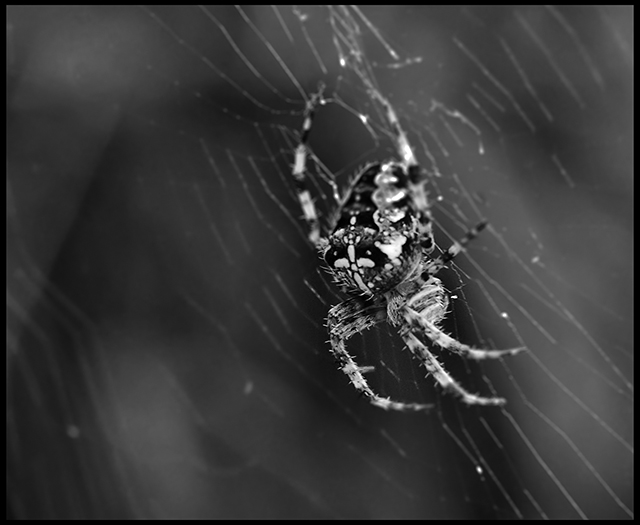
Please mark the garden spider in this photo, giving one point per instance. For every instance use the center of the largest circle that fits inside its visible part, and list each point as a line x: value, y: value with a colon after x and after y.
x: 378, y: 252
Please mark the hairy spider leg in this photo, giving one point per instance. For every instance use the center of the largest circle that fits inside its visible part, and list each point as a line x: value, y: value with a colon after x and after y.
x: 346, y: 319
x: 436, y: 264
x: 434, y: 368
x: 300, y: 172
x: 426, y: 321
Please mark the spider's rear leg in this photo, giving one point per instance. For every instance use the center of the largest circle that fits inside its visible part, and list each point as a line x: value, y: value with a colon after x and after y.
x: 442, y: 376
x: 299, y: 172
x: 420, y: 322
x: 349, y: 318
x: 402, y: 142
x: 415, y: 174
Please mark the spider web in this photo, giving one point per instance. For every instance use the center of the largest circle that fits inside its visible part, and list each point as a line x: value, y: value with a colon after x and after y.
x: 166, y: 347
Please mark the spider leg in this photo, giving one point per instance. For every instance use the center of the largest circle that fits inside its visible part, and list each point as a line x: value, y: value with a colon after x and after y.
x: 349, y: 318
x: 435, y: 265
x: 442, y: 376
x: 299, y: 172
x: 402, y: 142
x: 421, y: 321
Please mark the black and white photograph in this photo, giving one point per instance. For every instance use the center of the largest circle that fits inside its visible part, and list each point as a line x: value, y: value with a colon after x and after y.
x: 320, y: 262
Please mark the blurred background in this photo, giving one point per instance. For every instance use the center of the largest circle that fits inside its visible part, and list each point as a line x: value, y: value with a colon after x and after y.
x: 166, y: 347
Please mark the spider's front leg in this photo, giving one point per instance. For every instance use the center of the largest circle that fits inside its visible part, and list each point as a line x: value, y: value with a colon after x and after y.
x: 420, y: 321
x: 346, y: 319
x: 423, y: 313
x: 434, y: 368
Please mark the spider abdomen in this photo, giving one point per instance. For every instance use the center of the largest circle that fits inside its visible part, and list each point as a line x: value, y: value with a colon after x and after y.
x: 373, y: 247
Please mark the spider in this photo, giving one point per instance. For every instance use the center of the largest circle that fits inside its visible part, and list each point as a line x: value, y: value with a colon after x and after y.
x: 378, y: 252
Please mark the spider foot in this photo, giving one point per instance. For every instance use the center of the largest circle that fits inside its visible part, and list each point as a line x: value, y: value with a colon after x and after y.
x: 387, y: 404
x: 355, y: 372
x: 477, y: 353
x: 473, y: 399
x: 454, y: 388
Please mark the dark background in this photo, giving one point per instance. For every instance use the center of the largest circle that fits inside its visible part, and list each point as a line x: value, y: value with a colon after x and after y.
x: 166, y: 355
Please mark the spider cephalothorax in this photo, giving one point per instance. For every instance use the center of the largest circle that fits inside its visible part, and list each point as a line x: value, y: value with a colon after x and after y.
x: 378, y: 252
